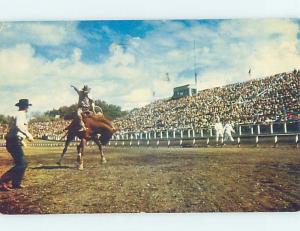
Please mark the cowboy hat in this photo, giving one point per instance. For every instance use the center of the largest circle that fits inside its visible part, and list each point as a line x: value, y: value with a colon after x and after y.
x: 23, y: 103
x: 86, y: 88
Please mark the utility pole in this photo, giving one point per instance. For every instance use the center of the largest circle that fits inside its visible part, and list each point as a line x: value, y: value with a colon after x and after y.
x: 196, y: 78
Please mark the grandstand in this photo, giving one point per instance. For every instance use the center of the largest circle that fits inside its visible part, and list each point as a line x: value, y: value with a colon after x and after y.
x: 263, y: 111
x: 269, y: 99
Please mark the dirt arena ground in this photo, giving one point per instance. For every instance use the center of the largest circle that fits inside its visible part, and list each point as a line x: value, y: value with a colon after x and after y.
x: 157, y: 180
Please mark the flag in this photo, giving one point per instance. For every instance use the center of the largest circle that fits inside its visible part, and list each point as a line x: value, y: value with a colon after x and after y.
x: 249, y: 72
x: 167, y: 78
x: 153, y: 93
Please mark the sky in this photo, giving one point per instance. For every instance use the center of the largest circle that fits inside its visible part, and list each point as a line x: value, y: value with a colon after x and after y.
x: 124, y: 62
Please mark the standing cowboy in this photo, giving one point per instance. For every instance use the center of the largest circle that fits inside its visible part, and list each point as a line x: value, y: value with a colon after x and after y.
x: 14, y: 145
x: 85, y: 103
x: 219, y: 130
x: 228, y: 129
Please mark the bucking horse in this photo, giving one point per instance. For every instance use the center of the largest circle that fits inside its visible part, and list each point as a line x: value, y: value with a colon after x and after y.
x: 99, y: 129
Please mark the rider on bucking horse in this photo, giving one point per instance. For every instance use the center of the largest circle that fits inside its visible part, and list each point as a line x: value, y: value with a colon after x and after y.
x: 93, y: 126
x: 85, y: 104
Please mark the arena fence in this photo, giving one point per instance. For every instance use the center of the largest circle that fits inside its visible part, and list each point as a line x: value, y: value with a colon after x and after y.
x: 258, y: 135
x: 272, y: 134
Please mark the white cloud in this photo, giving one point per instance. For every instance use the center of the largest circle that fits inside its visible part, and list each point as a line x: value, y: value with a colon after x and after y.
x: 16, y: 65
x: 138, y: 96
x: 39, y: 33
x: 76, y: 56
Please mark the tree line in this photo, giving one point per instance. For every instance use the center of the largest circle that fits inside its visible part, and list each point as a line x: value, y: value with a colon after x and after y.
x: 110, y: 110
x: 5, y: 119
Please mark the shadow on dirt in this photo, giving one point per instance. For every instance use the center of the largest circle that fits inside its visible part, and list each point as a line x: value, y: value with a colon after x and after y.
x: 52, y: 167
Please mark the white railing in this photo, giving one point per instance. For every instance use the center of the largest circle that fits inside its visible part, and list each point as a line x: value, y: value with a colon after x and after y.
x: 206, y: 132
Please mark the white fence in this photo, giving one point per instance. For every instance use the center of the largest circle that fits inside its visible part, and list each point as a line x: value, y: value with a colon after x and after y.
x: 240, y: 129
x: 284, y: 133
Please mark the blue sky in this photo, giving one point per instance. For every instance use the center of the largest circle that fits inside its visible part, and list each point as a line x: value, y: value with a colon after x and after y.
x: 98, y: 36
x: 125, y: 61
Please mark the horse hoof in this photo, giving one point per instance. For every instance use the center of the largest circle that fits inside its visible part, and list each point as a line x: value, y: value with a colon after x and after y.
x: 80, y: 167
x: 58, y: 163
x: 103, y: 161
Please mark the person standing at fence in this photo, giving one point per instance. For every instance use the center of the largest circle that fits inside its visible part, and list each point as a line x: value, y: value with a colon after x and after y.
x: 14, y: 144
x: 219, y: 130
x: 228, y: 129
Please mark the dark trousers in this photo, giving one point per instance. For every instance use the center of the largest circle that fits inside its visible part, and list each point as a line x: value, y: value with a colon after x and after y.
x: 16, y: 173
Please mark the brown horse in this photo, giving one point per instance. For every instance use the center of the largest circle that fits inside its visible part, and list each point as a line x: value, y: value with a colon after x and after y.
x: 99, y: 130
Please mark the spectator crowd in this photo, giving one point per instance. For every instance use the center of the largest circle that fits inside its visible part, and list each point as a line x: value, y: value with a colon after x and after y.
x: 255, y: 101
x: 53, y: 129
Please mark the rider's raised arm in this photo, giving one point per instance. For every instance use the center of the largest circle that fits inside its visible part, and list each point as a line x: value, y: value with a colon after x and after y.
x: 75, y: 88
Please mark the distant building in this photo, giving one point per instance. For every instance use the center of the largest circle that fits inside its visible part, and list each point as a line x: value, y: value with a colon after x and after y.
x: 185, y: 90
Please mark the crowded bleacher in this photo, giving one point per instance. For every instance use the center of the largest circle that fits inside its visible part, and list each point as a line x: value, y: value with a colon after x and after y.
x: 255, y: 101
x: 262, y: 100
x: 53, y: 129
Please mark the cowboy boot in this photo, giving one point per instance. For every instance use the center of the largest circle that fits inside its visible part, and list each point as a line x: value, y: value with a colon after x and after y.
x: 4, y: 187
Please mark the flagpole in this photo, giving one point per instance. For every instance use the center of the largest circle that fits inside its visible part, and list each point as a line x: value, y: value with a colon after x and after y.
x: 196, y: 81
